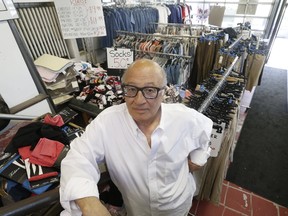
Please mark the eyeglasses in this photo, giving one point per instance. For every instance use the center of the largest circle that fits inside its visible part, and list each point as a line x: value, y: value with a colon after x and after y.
x: 148, y: 92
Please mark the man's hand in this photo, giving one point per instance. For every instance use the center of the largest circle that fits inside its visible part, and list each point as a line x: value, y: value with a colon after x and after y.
x: 192, y: 166
x: 92, y: 206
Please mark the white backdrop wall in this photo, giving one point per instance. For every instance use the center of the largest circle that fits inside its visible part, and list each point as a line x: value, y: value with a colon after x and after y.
x: 16, y: 83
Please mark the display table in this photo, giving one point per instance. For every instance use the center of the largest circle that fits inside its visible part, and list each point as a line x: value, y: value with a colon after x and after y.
x: 43, y: 204
x: 88, y: 110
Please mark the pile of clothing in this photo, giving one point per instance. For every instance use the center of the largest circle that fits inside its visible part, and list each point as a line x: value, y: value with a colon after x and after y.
x: 31, y: 163
x: 97, y: 87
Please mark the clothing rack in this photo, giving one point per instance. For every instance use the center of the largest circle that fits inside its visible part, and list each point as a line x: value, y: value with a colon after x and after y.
x: 212, y: 32
x: 234, y: 43
x: 164, y: 36
x: 157, y: 35
x: 216, y: 88
x: 219, y: 30
x: 172, y: 24
x: 180, y: 25
x: 177, y: 57
x: 108, y: 4
x: 193, y: 26
x: 168, y: 54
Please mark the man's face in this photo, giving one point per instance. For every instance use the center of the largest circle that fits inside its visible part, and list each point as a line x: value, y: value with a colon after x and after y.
x: 141, y: 109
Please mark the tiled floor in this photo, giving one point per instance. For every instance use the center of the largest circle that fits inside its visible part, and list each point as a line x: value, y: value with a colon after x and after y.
x: 236, y: 201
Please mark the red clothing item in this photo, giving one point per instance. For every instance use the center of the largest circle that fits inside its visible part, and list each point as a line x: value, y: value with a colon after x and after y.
x: 25, y: 152
x: 35, y: 172
x: 56, y: 120
x: 46, y: 152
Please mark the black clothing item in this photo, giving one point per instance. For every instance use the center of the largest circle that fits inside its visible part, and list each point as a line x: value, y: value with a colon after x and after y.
x: 231, y: 32
x: 112, y: 196
x: 17, y: 192
x: 30, y: 134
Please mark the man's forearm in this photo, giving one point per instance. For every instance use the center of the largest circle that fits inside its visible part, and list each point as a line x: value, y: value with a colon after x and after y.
x: 92, y: 206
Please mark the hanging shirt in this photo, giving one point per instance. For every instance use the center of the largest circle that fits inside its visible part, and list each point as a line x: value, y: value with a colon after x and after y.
x: 153, y: 181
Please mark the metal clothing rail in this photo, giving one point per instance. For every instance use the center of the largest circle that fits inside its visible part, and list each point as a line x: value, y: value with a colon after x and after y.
x: 234, y: 43
x: 190, y: 27
x: 173, y: 24
x: 16, y: 117
x: 157, y: 35
x: 168, y: 54
x: 217, y: 87
x: 211, y: 33
x: 218, y: 30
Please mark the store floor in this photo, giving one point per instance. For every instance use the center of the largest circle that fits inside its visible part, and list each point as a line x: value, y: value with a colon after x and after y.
x: 236, y: 201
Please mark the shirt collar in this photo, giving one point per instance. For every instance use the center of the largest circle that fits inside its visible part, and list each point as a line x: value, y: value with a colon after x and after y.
x: 131, y: 121
x: 134, y: 126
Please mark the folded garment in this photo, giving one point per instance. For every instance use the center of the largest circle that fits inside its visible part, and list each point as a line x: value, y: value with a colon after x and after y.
x: 53, y: 120
x: 25, y: 152
x: 37, y: 172
x: 30, y: 135
x: 54, y: 63
x: 17, y: 191
x: 46, y: 152
x: 46, y: 74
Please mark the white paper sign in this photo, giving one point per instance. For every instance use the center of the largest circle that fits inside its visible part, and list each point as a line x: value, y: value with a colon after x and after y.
x: 81, y: 18
x: 119, y: 58
x: 217, y: 136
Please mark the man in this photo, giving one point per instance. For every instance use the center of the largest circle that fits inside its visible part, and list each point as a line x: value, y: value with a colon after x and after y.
x: 145, y: 145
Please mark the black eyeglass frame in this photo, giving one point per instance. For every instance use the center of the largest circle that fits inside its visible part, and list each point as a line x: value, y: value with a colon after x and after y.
x: 141, y: 89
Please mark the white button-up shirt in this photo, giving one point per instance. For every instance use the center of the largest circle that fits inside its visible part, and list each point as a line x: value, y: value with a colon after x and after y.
x: 153, y: 181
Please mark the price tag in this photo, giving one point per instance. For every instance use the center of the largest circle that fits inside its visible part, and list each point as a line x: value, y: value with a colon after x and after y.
x: 119, y: 58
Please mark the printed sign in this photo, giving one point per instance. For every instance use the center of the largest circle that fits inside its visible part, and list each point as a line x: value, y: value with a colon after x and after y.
x: 217, y: 136
x: 119, y: 58
x: 81, y: 18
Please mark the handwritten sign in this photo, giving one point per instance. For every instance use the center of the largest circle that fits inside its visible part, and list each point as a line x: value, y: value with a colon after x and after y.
x: 81, y: 18
x: 119, y: 58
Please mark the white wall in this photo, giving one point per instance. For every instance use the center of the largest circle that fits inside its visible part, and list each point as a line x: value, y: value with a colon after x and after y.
x: 16, y: 83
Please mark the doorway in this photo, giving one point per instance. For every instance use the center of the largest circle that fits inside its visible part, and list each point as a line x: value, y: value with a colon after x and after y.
x: 278, y: 56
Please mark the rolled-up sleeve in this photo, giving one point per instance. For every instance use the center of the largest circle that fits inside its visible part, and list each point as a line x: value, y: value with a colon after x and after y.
x: 79, y: 169
x: 202, y: 136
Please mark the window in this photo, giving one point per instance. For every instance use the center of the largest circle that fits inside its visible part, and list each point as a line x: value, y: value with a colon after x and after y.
x: 257, y: 12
